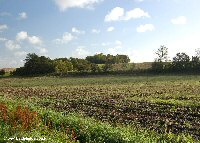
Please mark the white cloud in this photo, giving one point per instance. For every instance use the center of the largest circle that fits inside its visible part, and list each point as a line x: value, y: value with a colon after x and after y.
x: 119, y: 13
x: 20, y: 53
x: 115, y: 50
x: 135, y: 55
x: 187, y: 44
x: 23, y: 15
x: 110, y: 29
x: 2, y: 39
x: 179, y: 20
x: 116, y: 14
x: 117, y: 42
x: 14, y: 45
x: 80, y: 52
x: 117, y: 47
x: 3, y: 26
x: 105, y: 44
x: 77, y: 31
x: 43, y: 50
x: 21, y: 36
x: 35, y: 40
x: 9, y: 62
x: 146, y: 27
x: 96, y: 31
x: 65, y: 4
x: 136, y: 13
x: 11, y: 45
x: 67, y: 37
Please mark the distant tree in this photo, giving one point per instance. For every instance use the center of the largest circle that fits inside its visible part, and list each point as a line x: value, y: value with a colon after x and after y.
x: 83, y: 65
x: 80, y: 64
x: 107, y: 67
x: 181, y: 62
x: 62, y: 66
x: 122, y: 59
x: 97, y: 58
x: 2, y: 72
x: 108, y: 59
x: 35, y: 65
x: 19, y: 71
x: 161, y: 62
x: 74, y: 62
x: 197, y: 52
x: 95, y: 68
x: 162, y: 54
x: 158, y: 66
x: 195, y: 63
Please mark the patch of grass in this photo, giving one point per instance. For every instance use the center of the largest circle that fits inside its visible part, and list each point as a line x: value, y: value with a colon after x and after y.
x: 19, y: 124
x: 93, y: 80
x: 90, y: 130
x: 112, y: 108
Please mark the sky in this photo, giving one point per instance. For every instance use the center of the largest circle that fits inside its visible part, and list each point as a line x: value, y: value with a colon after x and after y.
x: 79, y: 28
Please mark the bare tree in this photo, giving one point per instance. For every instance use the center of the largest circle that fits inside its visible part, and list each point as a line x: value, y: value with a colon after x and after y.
x: 197, y: 51
x: 162, y: 54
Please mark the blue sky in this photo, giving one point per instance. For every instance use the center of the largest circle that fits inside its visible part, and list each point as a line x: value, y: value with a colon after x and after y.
x: 65, y: 28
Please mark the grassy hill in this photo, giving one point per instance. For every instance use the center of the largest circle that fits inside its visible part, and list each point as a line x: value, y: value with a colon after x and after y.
x: 145, y: 65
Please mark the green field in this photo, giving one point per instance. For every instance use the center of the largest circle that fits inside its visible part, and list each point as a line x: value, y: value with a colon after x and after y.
x: 103, y: 108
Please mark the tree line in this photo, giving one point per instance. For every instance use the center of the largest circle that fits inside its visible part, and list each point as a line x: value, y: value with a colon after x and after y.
x: 101, y: 63
x: 35, y: 65
x: 181, y: 63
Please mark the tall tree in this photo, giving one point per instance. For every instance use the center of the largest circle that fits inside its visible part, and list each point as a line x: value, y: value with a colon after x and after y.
x: 181, y: 62
x: 62, y: 66
x: 97, y: 58
x: 122, y: 59
x: 195, y: 63
x: 162, y: 54
x: 35, y: 64
x: 83, y: 65
x: 2, y: 72
x: 161, y: 61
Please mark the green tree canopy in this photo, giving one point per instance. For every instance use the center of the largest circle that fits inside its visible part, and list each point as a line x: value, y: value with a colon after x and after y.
x: 181, y: 62
x: 2, y: 72
x: 62, y: 66
x: 35, y: 65
x: 97, y: 59
x: 108, y: 59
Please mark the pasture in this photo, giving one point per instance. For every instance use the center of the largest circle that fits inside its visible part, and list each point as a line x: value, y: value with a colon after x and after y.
x: 102, y: 108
